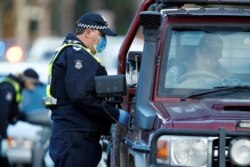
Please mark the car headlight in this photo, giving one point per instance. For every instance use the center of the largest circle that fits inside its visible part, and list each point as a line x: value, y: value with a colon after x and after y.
x: 183, y: 151
x: 240, y: 151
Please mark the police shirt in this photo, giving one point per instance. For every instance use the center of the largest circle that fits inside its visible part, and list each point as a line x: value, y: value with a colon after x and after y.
x: 72, y: 84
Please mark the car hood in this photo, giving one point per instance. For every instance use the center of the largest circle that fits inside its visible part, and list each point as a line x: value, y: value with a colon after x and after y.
x: 206, y: 112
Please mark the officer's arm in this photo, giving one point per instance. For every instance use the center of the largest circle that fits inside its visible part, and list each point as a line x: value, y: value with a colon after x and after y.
x: 14, y: 113
x: 79, y: 81
x: 5, y: 105
x: 8, y: 107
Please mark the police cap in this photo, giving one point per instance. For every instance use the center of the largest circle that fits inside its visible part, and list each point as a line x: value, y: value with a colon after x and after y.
x: 30, y: 74
x: 94, y: 21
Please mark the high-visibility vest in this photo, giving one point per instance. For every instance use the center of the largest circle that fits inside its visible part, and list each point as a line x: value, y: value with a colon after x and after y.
x: 16, y: 86
x: 50, y: 100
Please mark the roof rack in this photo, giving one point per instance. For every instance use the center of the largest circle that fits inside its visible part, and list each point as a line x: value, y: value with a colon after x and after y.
x: 204, y: 2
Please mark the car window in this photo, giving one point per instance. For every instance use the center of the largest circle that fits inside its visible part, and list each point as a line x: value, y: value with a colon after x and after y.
x: 196, y: 60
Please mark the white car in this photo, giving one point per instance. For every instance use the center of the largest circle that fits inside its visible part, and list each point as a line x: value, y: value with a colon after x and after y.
x: 23, y: 138
x: 27, y: 142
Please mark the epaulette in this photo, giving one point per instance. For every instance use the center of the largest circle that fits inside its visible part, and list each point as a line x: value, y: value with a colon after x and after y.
x: 77, y: 48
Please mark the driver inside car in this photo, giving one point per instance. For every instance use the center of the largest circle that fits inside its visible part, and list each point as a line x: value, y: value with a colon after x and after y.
x: 204, y: 68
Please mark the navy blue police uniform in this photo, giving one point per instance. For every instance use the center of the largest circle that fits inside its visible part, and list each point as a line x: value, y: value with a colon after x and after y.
x: 10, y: 95
x: 79, y: 117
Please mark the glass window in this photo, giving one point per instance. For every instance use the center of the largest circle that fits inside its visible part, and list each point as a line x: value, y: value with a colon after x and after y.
x: 200, y: 60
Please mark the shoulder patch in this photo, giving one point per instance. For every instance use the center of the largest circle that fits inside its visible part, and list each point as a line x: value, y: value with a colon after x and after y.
x: 77, y: 48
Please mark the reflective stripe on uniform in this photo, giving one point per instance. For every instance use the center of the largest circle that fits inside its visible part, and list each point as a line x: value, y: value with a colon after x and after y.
x: 16, y: 86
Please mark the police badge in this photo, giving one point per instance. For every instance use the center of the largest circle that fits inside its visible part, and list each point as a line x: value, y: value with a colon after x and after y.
x: 8, y: 96
x: 78, y: 64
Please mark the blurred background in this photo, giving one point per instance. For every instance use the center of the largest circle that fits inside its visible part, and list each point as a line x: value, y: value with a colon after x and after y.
x: 23, y: 21
x: 30, y: 30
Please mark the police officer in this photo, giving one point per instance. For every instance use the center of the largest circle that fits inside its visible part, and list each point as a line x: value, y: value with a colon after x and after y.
x: 11, y: 88
x: 29, y: 103
x: 79, y: 117
x: 206, y: 59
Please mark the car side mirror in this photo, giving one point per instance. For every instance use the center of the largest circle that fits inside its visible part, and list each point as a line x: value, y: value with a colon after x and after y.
x: 111, y: 86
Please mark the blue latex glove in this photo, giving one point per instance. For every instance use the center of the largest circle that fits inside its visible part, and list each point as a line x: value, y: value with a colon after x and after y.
x: 123, y: 117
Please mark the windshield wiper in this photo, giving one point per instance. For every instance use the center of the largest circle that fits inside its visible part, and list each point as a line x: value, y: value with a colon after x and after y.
x: 214, y: 90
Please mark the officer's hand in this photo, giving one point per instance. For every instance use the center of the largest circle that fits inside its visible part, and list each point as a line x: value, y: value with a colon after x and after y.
x: 123, y: 117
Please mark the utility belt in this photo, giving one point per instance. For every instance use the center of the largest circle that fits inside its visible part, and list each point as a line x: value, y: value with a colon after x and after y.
x: 51, y: 102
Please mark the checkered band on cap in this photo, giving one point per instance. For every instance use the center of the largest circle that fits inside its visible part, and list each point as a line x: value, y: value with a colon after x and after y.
x: 94, y: 21
x: 92, y: 26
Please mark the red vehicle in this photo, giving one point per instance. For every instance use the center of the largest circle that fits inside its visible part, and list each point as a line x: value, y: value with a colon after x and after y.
x: 191, y: 104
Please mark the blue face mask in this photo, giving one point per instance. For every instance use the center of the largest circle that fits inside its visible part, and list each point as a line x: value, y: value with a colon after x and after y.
x: 101, y: 44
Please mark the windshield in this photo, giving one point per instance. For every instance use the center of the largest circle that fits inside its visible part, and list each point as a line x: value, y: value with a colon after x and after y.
x: 201, y: 60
